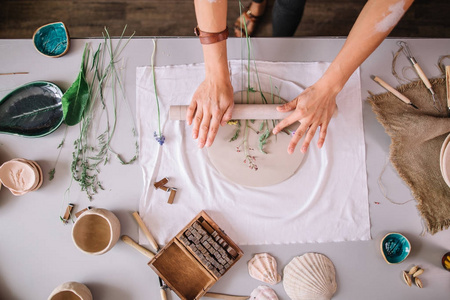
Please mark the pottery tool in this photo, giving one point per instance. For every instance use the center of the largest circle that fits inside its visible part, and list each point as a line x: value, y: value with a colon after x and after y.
x: 144, y: 229
x: 225, y: 297
x: 14, y: 73
x: 240, y: 112
x: 419, y: 71
x: 447, y: 85
x: 137, y: 247
x: 155, y: 246
x: 393, y: 91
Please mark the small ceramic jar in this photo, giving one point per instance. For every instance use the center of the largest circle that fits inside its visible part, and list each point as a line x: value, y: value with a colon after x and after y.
x: 71, y: 291
x: 96, y: 231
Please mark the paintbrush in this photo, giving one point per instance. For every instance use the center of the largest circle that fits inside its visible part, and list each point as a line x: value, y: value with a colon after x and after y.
x: 393, y: 91
x: 152, y: 242
x: 419, y: 71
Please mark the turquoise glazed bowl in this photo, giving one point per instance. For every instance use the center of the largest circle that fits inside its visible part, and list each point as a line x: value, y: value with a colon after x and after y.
x: 52, y: 39
x: 395, y: 248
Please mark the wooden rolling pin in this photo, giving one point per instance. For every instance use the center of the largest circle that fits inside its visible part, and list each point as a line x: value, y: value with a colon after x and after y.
x: 240, y: 112
x: 138, y: 247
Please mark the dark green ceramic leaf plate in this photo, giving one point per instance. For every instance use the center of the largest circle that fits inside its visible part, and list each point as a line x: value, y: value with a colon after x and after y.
x: 32, y: 110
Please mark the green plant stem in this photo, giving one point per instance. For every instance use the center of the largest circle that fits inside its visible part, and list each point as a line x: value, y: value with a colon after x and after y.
x: 154, y: 85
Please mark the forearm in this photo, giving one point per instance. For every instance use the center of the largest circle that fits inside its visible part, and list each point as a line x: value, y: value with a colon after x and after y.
x: 375, y: 22
x: 212, y: 17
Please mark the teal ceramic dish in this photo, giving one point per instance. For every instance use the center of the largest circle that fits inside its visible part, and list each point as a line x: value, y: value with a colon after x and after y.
x: 395, y: 248
x: 32, y: 110
x: 52, y: 39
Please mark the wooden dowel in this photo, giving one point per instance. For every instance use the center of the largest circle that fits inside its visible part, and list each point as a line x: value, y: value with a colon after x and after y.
x: 147, y: 233
x: 138, y: 247
x: 447, y: 84
x: 225, y: 297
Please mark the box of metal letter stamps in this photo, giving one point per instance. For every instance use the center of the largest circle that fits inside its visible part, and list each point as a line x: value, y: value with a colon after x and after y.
x: 196, y: 258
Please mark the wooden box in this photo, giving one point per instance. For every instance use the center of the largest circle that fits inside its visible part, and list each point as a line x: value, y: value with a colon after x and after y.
x: 196, y: 258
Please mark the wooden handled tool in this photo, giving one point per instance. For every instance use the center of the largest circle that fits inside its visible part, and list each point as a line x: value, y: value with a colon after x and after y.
x: 421, y: 74
x: 225, y: 297
x: 240, y: 112
x: 155, y: 246
x: 138, y: 247
x: 393, y: 91
x: 447, y: 85
x: 144, y: 229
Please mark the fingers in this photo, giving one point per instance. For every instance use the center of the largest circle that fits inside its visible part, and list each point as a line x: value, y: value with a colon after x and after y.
x: 197, y: 121
x: 191, y: 111
x: 292, y: 118
x: 322, y: 135
x: 213, y: 128
x: 227, y: 115
x: 204, y: 128
x: 298, y: 134
x: 309, y: 135
x: 287, y: 106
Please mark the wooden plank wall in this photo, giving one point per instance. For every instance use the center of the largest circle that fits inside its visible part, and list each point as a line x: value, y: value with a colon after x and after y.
x: 87, y: 18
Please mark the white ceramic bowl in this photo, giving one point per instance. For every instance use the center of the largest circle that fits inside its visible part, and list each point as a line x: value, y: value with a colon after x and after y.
x: 71, y: 291
x: 96, y: 231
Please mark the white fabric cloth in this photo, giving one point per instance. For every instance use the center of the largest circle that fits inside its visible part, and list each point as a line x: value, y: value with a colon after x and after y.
x: 325, y: 201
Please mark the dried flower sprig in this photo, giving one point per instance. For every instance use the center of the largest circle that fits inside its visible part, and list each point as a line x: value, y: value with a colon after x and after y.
x: 160, y: 138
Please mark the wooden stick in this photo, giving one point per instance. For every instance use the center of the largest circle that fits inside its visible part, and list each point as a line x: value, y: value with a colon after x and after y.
x: 147, y: 233
x: 14, y: 73
x: 447, y: 84
x: 392, y: 90
x: 225, y: 297
x: 138, y: 247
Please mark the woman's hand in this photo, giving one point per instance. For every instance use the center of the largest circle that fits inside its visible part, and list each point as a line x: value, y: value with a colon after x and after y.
x: 211, y: 106
x: 313, y: 108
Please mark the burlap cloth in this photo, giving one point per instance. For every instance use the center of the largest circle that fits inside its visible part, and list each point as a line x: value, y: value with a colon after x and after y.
x: 416, y: 140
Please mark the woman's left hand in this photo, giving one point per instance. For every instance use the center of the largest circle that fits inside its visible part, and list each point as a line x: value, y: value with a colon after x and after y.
x: 313, y: 108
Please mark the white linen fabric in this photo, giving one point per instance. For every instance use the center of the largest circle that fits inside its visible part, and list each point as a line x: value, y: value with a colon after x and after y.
x: 326, y: 200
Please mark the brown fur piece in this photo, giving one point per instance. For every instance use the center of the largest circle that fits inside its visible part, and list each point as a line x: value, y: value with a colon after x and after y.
x: 416, y: 139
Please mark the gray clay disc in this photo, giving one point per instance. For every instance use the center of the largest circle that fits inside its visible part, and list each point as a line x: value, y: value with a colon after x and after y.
x: 275, y: 166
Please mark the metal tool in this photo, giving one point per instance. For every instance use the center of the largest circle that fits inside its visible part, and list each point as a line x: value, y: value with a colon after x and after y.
x: 393, y: 91
x: 419, y: 71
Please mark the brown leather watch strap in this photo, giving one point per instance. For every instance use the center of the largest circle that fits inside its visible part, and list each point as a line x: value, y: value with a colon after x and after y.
x: 207, y: 38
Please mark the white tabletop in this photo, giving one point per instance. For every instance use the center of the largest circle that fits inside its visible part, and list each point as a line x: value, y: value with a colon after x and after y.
x: 36, y: 249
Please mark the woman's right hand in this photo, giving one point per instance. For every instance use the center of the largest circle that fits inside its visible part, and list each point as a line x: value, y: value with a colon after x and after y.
x: 211, y: 106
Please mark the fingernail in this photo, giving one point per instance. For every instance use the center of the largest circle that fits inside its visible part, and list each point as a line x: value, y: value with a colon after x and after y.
x: 290, y: 150
x: 304, y: 149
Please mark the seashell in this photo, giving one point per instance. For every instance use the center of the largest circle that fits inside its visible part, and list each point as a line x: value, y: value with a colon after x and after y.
x: 417, y: 273
x: 263, y: 267
x: 310, y: 276
x: 418, y: 282
x: 413, y: 270
x: 407, y: 278
x: 263, y: 292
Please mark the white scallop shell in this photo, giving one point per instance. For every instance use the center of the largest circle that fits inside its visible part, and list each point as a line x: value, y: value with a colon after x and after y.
x: 263, y: 267
x: 311, y: 276
x: 263, y: 292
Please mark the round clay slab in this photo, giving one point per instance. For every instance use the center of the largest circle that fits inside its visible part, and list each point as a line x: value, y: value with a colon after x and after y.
x: 444, y: 145
x: 254, y: 168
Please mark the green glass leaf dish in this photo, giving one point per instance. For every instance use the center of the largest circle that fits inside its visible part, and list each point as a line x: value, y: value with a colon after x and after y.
x: 32, y: 110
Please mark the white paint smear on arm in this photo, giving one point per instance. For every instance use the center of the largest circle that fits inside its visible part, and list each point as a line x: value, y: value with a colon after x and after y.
x: 394, y: 15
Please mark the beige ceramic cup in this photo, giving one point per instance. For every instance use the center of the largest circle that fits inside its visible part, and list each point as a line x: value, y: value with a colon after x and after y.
x: 71, y: 291
x: 96, y: 231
